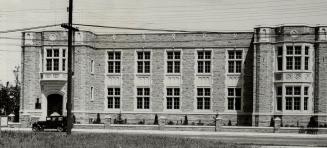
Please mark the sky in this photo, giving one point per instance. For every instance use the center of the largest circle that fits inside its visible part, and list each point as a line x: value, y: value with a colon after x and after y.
x: 193, y: 15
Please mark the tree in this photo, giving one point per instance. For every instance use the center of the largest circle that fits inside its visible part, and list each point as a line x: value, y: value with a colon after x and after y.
x: 156, y: 120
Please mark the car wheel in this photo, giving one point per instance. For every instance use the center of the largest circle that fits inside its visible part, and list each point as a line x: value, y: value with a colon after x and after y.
x: 35, y: 129
x: 60, y: 129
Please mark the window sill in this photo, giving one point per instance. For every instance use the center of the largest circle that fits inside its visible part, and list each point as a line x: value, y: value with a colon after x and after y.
x: 173, y: 74
x: 234, y: 74
x: 143, y: 74
x: 113, y: 74
x: 294, y: 71
x: 203, y: 74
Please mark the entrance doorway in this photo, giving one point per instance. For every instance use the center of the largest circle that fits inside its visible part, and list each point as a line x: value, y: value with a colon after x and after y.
x: 55, y: 103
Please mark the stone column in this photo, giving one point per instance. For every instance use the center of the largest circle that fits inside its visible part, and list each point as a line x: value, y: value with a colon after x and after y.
x: 277, y: 124
x: 219, y: 123
x: 162, y: 122
x: 107, y: 122
x: 25, y: 120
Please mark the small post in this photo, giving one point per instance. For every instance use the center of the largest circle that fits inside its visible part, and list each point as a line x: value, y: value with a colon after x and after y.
x: 219, y: 122
x: 277, y: 124
x: 162, y: 122
x: 107, y: 122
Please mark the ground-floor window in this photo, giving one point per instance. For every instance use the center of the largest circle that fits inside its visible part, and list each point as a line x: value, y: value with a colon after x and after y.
x: 173, y: 95
x: 203, y: 98
x: 143, y: 98
x: 294, y: 96
x: 234, y: 98
x: 113, y: 98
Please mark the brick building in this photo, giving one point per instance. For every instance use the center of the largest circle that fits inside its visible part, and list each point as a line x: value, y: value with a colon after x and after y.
x: 245, y: 77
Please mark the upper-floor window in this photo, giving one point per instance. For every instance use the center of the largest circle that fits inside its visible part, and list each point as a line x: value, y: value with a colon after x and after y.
x: 296, y: 57
x: 235, y: 61
x: 204, y: 61
x: 55, y: 59
x: 234, y: 98
x: 173, y: 95
x: 203, y: 98
x: 143, y: 61
x: 114, y: 58
x: 92, y: 66
x: 113, y: 98
x: 173, y: 61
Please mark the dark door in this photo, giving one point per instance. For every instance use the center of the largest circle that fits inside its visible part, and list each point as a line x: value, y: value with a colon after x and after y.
x: 55, y: 104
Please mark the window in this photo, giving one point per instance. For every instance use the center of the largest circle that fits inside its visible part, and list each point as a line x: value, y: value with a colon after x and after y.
x: 296, y: 58
x: 173, y: 61
x: 114, y: 58
x: 143, y: 98
x: 306, y: 98
x: 143, y: 62
x: 203, y: 98
x: 92, y: 66
x: 113, y: 98
x: 173, y: 95
x: 92, y: 93
x: 234, y: 61
x: 293, y: 97
x: 55, y: 59
x: 280, y: 58
x: 279, y: 100
x: 204, y: 61
x: 234, y: 98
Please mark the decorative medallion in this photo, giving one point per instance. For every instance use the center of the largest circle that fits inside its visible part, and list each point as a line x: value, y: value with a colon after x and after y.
x: 52, y: 37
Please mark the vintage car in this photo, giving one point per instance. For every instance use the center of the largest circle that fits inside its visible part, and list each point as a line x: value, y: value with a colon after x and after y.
x: 52, y: 122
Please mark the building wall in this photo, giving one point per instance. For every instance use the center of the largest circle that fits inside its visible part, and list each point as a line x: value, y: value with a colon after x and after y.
x: 257, y: 78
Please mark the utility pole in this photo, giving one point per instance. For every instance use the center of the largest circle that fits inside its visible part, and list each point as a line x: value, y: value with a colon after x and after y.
x: 69, y: 70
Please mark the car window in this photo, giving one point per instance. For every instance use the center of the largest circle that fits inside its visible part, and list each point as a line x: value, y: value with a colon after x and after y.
x: 53, y: 119
x: 60, y: 118
x: 48, y: 119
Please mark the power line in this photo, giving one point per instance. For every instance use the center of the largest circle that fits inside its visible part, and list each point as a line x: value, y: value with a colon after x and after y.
x: 30, y: 28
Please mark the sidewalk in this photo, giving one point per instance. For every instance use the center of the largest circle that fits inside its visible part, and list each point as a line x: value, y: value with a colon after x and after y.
x: 184, y: 133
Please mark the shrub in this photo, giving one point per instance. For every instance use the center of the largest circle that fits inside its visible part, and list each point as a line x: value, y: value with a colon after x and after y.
x: 119, y: 120
x: 141, y: 122
x: 155, y: 120
x: 97, y: 120
x: 272, y: 122
x: 200, y: 123
x: 185, y: 120
x: 170, y: 123
x: 313, y: 122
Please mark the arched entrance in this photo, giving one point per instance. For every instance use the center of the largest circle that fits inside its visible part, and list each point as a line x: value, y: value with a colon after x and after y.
x: 55, y: 103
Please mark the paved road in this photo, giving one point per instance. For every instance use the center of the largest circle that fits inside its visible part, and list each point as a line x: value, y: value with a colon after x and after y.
x: 278, y: 139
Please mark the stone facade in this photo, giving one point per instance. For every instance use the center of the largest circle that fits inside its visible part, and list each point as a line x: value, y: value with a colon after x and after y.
x: 44, y: 64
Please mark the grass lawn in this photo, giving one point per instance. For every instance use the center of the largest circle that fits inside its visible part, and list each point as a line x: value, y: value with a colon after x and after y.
x: 100, y: 140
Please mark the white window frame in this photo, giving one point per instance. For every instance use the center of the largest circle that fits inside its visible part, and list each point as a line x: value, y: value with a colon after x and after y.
x: 234, y: 60
x: 172, y: 96
x: 303, y: 57
x: 61, y: 65
x: 92, y: 66
x: 143, y: 96
x: 302, y: 96
x: 204, y: 60
x: 92, y: 93
x: 203, y: 100
x: 234, y: 99
x: 114, y: 60
x: 174, y: 60
x: 114, y: 96
x: 143, y: 60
